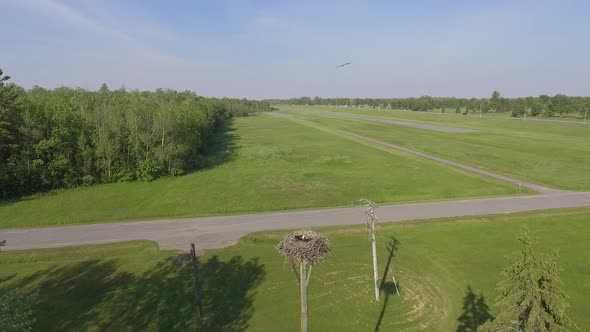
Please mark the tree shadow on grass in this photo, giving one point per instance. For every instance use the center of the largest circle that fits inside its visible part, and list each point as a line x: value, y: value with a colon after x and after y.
x: 387, y: 288
x: 94, y: 295
x: 475, y: 312
x: 222, y: 148
x: 27, y: 197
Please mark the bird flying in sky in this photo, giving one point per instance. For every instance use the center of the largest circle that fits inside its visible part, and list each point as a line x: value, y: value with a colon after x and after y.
x: 344, y: 64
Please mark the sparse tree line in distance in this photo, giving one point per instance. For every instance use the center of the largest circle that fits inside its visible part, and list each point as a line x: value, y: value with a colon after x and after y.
x: 544, y: 105
x: 68, y: 137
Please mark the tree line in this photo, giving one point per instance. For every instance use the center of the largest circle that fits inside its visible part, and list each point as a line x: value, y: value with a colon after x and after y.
x: 67, y: 137
x: 543, y: 105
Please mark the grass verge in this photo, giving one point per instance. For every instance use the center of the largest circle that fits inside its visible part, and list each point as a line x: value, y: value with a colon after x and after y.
x: 440, y: 265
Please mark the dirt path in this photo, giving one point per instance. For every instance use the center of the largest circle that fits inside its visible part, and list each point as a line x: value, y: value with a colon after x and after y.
x: 216, y: 232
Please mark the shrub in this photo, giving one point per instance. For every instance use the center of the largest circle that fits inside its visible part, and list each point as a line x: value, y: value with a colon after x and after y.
x: 149, y: 170
x: 88, y: 180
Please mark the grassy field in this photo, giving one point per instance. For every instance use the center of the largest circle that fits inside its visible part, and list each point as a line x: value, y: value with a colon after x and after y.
x: 567, y: 117
x: 434, y: 115
x: 440, y: 265
x: 261, y: 164
x: 552, y: 154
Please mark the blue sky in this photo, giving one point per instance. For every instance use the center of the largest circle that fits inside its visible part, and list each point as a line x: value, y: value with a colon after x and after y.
x: 278, y: 49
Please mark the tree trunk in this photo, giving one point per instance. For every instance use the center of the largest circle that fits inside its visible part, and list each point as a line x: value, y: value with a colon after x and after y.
x: 303, y: 291
x: 109, y: 168
x: 375, y: 270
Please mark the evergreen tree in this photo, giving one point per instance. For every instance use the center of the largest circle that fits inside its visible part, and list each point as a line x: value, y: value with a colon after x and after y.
x: 530, y: 297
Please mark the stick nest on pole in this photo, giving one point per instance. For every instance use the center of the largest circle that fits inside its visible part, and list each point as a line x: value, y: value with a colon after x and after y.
x: 307, y: 246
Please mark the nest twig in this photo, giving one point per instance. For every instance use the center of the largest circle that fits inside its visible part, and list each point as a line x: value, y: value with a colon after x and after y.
x: 307, y: 246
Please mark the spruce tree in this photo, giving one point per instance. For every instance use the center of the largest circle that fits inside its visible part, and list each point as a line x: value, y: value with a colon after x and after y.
x: 530, y: 297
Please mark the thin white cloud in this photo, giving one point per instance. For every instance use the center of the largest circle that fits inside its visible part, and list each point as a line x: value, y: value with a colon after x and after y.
x: 63, y: 13
x: 69, y: 15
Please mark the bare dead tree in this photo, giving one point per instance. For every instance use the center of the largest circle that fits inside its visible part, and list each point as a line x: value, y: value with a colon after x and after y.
x: 370, y: 207
x: 304, y: 249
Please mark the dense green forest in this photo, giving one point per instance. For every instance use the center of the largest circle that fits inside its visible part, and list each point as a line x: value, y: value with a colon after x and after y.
x: 544, y: 105
x: 68, y: 137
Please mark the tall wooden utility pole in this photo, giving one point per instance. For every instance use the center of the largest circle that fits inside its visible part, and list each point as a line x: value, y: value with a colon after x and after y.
x: 371, y: 220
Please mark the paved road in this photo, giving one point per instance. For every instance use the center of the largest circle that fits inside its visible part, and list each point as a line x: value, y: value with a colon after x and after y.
x: 425, y: 126
x: 215, y: 232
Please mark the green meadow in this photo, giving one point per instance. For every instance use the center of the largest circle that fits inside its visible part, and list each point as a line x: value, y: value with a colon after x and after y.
x: 441, y: 266
x: 552, y: 154
x: 261, y: 163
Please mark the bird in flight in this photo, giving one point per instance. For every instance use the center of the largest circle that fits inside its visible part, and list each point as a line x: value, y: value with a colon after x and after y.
x: 344, y: 64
